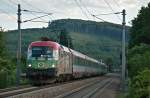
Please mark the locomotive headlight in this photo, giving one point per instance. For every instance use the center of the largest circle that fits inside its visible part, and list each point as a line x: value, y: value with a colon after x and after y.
x: 29, y: 65
x: 53, y: 65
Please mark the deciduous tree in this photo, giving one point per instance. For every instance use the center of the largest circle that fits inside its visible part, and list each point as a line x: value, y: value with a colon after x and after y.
x: 140, y: 31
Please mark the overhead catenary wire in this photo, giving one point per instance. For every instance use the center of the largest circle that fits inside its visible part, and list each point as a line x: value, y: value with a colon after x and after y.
x: 10, y: 4
x: 85, y: 7
x: 99, y: 18
x: 83, y: 12
x: 39, y: 11
x: 108, y: 13
x: 90, y: 12
x: 92, y: 16
x: 30, y: 5
x: 36, y: 11
x: 103, y: 21
x: 95, y: 16
x: 32, y: 11
x: 35, y: 18
x: 27, y: 10
x: 39, y: 21
x: 112, y: 9
x: 117, y: 3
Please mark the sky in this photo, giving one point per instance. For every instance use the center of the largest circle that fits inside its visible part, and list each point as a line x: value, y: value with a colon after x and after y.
x: 64, y: 9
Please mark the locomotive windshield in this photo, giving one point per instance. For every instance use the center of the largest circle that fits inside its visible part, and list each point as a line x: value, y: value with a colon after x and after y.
x: 43, y: 51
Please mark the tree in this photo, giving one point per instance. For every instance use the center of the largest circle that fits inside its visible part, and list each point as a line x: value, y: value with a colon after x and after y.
x: 138, y: 59
x: 65, y: 39
x: 109, y: 63
x: 139, y: 86
x: 140, y: 31
x: 139, y: 55
x: 1, y: 44
x: 4, y: 66
x: 47, y: 39
x: 70, y: 45
x: 7, y: 68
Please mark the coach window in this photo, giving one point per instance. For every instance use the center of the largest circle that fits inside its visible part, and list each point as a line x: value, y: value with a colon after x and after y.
x: 79, y: 61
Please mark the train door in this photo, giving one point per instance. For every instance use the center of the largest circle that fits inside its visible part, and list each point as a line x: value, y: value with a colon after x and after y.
x: 70, y: 63
x: 61, y: 63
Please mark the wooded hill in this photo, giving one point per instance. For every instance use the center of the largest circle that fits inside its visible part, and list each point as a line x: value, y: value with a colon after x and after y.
x: 99, y: 40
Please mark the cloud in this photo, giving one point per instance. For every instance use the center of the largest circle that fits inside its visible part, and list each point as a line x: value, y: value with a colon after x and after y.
x: 129, y: 3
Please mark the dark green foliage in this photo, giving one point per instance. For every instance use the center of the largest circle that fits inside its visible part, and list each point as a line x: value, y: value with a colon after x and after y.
x: 138, y: 59
x: 65, y: 39
x: 47, y: 39
x: 139, y: 55
x: 1, y: 44
x: 3, y: 63
x: 139, y: 87
x: 141, y: 27
x: 139, y: 71
x: 70, y: 44
x: 109, y: 63
x: 7, y: 67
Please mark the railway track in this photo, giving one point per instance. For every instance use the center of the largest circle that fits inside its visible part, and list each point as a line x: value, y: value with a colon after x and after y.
x: 13, y: 88
x: 83, y: 88
x: 8, y: 92
x: 89, y: 90
x: 16, y: 90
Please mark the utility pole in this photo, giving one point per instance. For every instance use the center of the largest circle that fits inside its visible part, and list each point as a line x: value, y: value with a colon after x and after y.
x: 19, y: 47
x: 123, y: 50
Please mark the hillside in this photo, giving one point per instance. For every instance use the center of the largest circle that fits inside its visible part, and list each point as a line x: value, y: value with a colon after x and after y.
x: 96, y: 39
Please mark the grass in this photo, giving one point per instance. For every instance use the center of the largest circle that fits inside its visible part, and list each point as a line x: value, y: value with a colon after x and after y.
x: 121, y: 95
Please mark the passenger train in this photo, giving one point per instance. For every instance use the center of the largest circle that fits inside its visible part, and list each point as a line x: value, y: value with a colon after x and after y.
x: 49, y: 61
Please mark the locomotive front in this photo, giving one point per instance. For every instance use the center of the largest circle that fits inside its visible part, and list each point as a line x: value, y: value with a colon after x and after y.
x: 42, y: 60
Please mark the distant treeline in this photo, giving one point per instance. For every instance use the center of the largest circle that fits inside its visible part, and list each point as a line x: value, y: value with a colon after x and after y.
x: 90, y: 27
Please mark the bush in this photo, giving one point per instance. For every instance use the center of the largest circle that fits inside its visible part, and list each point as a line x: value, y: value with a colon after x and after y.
x: 138, y: 59
x: 7, y: 74
x: 139, y: 86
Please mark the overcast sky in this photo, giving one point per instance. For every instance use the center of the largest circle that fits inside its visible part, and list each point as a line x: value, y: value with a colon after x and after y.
x: 74, y: 9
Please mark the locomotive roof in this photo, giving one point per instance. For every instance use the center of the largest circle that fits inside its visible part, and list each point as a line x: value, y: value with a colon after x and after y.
x: 52, y: 44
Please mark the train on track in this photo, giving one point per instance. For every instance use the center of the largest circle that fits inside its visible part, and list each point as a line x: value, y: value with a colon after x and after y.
x: 50, y: 61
